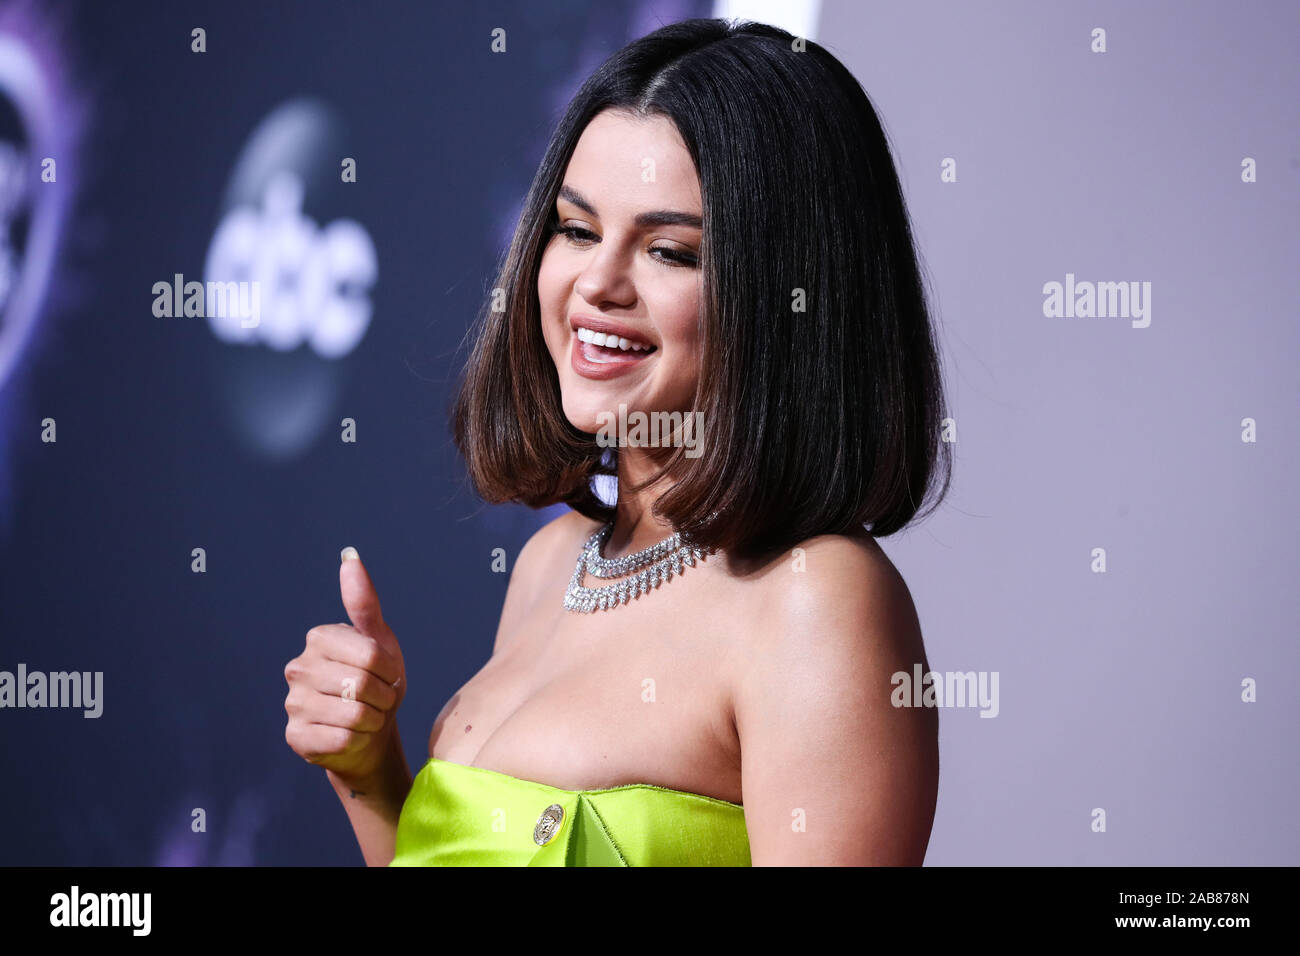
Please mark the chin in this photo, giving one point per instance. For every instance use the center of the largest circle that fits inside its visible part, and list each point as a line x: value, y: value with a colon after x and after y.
x: 584, y: 411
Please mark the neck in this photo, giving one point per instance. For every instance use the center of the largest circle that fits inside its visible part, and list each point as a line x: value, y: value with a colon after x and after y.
x: 635, y: 525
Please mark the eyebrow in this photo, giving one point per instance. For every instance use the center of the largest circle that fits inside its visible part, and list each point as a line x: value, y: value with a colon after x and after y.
x: 659, y: 217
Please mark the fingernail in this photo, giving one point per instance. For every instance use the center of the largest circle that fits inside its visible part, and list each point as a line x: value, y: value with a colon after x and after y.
x: 348, y: 554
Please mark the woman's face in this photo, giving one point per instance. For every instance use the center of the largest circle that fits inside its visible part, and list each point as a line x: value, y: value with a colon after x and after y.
x: 624, y: 270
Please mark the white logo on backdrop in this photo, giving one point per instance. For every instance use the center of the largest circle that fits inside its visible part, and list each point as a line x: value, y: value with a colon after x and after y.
x: 314, y: 280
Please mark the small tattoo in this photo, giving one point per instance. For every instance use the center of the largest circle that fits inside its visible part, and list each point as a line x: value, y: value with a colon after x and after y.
x: 356, y: 793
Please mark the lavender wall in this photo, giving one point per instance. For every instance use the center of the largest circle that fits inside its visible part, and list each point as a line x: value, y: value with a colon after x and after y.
x: 1120, y: 690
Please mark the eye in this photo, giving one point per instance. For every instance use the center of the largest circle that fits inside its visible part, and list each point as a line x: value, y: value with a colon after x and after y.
x: 664, y: 255
x: 575, y: 234
x: 675, y: 258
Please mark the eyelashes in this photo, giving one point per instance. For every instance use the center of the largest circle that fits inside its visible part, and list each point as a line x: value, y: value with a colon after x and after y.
x: 670, y: 257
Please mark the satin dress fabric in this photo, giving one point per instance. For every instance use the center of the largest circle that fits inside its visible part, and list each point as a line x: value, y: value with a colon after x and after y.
x: 457, y: 815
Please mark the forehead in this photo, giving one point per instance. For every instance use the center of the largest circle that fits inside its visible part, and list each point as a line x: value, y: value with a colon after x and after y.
x: 632, y: 163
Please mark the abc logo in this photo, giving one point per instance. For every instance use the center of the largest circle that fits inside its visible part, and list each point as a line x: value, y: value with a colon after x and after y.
x: 313, y: 281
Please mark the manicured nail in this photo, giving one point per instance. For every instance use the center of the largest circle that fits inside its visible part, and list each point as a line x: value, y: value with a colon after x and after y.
x: 348, y: 554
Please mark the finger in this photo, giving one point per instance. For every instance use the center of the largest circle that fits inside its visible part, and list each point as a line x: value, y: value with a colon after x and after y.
x: 348, y: 682
x: 359, y: 596
x: 318, y: 741
x: 330, y: 711
x: 341, y: 643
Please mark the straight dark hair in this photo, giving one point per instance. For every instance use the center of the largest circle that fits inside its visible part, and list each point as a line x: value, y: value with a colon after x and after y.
x: 824, y: 420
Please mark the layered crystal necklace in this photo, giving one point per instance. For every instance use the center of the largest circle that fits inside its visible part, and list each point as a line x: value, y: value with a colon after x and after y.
x: 648, y: 569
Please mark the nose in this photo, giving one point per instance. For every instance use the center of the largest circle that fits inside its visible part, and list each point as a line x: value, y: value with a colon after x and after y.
x: 606, y: 278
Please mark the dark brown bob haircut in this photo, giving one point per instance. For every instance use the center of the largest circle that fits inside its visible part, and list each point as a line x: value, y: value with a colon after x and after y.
x: 824, y: 419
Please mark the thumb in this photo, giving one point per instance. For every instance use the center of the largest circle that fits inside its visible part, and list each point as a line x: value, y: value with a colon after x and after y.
x: 360, y: 599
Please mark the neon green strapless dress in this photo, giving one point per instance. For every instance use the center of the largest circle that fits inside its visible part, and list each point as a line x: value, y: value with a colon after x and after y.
x: 457, y: 815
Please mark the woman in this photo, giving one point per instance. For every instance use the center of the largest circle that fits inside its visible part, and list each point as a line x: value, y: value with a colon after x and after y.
x: 712, y: 296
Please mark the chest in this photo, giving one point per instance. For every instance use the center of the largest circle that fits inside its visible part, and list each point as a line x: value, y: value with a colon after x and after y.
x: 639, y: 694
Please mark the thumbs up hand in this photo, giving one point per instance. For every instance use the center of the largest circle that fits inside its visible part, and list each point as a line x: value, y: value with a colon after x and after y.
x: 362, y: 604
x: 346, y: 685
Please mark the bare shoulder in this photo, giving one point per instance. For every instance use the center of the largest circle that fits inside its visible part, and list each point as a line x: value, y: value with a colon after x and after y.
x: 836, y: 609
x: 557, y: 541
x: 833, y: 623
x: 837, y: 585
x: 559, y: 534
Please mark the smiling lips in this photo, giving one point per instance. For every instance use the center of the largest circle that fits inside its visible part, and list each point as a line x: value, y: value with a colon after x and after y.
x: 603, y: 350
x: 611, y: 341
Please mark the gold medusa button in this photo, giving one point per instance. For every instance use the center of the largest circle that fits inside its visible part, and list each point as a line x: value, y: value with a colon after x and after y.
x: 548, y: 824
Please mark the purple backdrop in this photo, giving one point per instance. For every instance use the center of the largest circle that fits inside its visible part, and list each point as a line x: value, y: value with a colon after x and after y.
x: 1120, y: 690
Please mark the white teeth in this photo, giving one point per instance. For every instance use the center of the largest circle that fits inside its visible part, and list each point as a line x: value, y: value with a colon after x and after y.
x: 611, y: 341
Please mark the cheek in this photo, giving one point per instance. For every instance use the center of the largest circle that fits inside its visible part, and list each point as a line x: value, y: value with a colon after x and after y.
x: 685, y: 321
x: 548, y: 282
x: 682, y: 331
x: 552, y: 297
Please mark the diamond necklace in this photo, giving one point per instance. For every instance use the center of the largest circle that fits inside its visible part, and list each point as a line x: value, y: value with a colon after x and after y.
x: 653, y: 566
